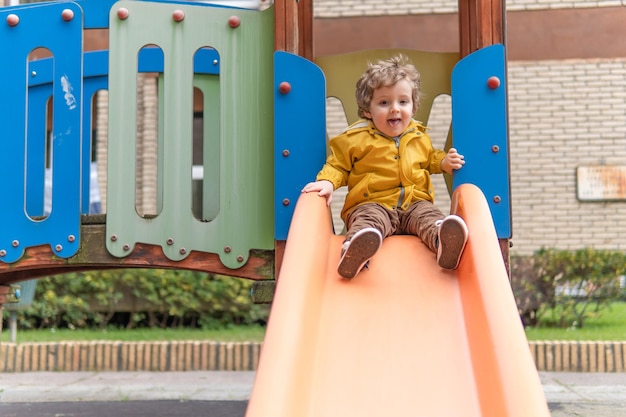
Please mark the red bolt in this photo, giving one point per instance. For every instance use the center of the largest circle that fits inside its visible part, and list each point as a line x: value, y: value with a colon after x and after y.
x: 67, y: 14
x: 13, y: 19
x: 493, y: 82
x: 178, y: 16
x: 234, y: 21
x: 284, y: 87
x: 122, y: 13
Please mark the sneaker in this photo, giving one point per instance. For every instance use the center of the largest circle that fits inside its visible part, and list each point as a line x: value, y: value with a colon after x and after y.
x: 452, y: 235
x: 357, y: 252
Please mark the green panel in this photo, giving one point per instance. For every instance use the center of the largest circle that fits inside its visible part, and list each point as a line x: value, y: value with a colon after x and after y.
x: 238, y: 134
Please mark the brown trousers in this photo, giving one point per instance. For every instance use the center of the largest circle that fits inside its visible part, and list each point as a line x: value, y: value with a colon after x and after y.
x: 419, y: 220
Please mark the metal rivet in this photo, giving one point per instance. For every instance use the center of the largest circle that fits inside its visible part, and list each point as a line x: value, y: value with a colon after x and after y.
x: 182, y: 251
x: 33, y: 73
x: 495, y: 149
x: 227, y: 249
x: 170, y: 241
x: 126, y: 247
x: 497, y: 199
x: 67, y: 14
x: 286, y: 202
x: 15, y: 243
x: 58, y: 248
x: 113, y: 238
x: 215, y: 62
x: 178, y: 16
x: 286, y: 153
x: 122, y: 13
x: 71, y: 238
x: 3, y: 253
x: 234, y: 21
x: 13, y: 19
x: 239, y: 258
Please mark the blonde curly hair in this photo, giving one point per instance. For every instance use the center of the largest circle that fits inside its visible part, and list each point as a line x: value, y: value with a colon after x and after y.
x: 386, y: 73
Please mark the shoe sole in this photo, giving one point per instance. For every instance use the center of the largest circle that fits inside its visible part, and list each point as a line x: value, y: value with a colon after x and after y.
x: 361, y: 249
x: 452, y: 238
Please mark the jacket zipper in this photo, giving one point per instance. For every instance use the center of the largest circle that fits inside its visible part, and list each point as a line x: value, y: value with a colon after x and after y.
x: 397, y: 142
x: 401, y: 196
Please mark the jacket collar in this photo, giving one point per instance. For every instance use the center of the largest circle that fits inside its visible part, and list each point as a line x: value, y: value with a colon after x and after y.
x: 368, y: 125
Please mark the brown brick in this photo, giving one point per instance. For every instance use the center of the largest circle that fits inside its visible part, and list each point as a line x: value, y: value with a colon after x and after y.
x: 566, y: 360
x: 585, y: 357
x: 619, y: 356
x: 188, y: 364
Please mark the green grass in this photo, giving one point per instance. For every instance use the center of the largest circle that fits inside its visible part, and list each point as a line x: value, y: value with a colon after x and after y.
x: 234, y: 334
x: 608, y: 324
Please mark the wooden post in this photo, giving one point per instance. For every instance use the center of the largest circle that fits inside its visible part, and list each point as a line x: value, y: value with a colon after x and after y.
x: 482, y: 23
x: 293, y: 31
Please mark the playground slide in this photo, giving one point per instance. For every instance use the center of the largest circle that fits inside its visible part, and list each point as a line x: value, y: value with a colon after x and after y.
x: 404, y: 338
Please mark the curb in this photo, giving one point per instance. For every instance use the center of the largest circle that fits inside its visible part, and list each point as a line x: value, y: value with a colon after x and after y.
x: 129, y: 356
x: 549, y: 356
x: 583, y: 356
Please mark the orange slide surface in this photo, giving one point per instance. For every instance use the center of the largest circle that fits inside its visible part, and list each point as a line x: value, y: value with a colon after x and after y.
x: 404, y: 338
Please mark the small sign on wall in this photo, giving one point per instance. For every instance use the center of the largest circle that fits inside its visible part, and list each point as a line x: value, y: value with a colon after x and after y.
x: 601, y: 183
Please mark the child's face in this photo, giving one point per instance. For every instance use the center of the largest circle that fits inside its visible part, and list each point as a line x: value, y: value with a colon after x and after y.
x: 391, y: 108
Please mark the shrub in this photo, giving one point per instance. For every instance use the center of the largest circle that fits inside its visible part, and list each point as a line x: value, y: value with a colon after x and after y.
x: 562, y: 288
x: 142, y: 298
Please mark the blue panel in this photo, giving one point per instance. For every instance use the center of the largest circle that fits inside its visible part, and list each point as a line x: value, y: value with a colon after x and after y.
x: 96, y: 63
x: 96, y: 12
x: 299, y: 133
x: 41, y: 26
x: 206, y: 61
x: 479, y: 126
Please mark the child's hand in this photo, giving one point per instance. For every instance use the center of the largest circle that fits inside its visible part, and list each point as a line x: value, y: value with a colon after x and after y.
x: 323, y: 187
x: 453, y: 160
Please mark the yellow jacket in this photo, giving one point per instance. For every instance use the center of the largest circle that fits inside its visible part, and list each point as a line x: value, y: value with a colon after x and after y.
x: 394, y: 172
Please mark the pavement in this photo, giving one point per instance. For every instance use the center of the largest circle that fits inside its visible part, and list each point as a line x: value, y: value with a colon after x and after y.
x: 125, y: 386
x: 567, y: 393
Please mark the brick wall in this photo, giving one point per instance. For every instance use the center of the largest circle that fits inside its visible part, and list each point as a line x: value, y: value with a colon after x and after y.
x: 351, y: 8
x: 564, y: 114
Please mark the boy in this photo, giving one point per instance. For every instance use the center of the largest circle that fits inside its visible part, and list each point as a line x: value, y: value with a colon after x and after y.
x: 386, y: 160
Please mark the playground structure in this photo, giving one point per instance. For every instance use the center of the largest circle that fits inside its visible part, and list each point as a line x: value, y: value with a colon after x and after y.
x: 251, y: 101
x: 253, y: 77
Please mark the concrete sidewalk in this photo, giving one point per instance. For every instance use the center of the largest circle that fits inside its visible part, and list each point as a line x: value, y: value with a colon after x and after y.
x: 125, y: 386
x: 568, y: 393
